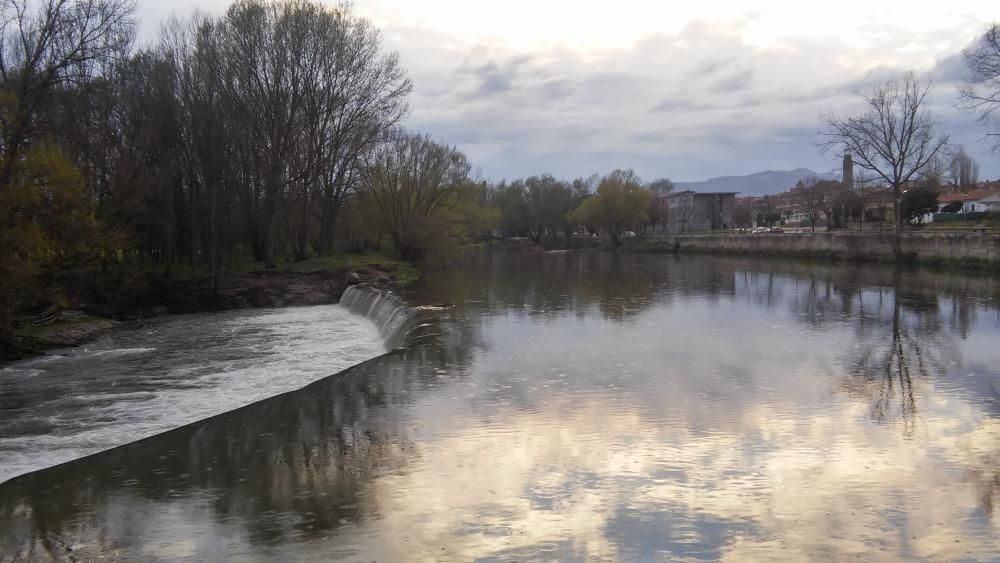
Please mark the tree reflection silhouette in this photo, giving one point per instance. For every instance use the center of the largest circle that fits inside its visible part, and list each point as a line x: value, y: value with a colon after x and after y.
x: 892, y: 354
x: 303, y: 466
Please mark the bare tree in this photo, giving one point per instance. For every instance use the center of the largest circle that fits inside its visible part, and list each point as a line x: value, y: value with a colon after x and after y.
x: 964, y: 171
x: 662, y: 186
x: 982, y: 92
x: 894, y: 137
x: 361, y: 97
x: 816, y: 198
x: 681, y: 211
x: 49, y: 44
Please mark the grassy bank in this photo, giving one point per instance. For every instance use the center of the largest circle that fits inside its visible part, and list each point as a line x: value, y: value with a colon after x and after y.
x: 404, y: 272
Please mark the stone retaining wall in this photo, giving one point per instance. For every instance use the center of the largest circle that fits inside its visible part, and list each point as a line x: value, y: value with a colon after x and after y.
x: 979, y: 248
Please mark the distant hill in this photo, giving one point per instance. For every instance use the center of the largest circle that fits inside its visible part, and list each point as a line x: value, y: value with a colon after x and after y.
x: 758, y: 184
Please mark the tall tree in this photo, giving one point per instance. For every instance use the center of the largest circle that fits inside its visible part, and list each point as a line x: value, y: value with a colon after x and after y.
x: 964, y: 171
x: 982, y: 92
x: 894, y: 137
x: 918, y: 202
x: 414, y: 184
x: 661, y: 186
x: 816, y: 199
x: 620, y: 203
x: 47, y: 45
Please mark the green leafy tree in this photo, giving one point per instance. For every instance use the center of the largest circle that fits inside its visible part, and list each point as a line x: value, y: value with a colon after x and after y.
x: 414, y: 186
x: 953, y: 207
x: 620, y: 203
x: 46, y: 222
x: 481, y: 217
x: 918, y: 202
x: 510, y: 201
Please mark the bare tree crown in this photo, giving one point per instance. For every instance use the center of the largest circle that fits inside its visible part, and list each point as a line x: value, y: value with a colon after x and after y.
x: 894, y: 137
x: 982, y: 92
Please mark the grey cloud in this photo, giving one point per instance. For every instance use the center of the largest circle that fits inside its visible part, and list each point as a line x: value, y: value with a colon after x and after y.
x: 951, y: 69
x: 676, y: 104
x: 494, y: 78
x: 685, y: 107
x: 872, y: 79
x: 557, y: 88
x: 709, y: 67
x: 734, y: 82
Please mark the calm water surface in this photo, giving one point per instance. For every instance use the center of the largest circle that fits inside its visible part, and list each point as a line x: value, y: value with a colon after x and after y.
x: 588, y: 407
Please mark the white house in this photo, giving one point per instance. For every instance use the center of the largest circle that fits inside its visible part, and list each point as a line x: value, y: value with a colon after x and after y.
x: 971, y: 202
x: 991, y: 203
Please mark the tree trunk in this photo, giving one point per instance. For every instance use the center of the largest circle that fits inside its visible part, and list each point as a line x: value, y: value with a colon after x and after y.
x: 267, y: 225
x: 897, y: 234
x: 6, y: 319
x: 328, y: 229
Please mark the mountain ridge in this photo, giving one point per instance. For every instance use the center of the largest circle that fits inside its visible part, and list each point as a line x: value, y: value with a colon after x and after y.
x: 768, y: 182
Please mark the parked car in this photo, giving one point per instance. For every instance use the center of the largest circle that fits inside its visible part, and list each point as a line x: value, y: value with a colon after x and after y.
x: 628, y: 234
x: 759, y: 230
x: 776, y: 230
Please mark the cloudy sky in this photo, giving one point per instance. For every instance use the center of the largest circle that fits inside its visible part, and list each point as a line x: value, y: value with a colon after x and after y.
x: 684, y: 90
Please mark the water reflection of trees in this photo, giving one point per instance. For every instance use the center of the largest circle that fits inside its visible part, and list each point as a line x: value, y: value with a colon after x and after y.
x: 901, y: 341
x: 617, y: 286
x: 299, y: 466
x: 294, y: 467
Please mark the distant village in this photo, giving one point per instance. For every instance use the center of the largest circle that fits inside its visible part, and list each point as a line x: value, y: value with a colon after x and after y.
x: 815, y: 204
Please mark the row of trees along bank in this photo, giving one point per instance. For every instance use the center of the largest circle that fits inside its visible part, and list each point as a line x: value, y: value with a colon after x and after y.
x: 273, y: 131
x: 270, y: 131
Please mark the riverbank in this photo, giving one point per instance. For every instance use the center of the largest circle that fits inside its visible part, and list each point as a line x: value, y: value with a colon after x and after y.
x: 96, y: 303
x: 969, y: 251
x: 973, y: 252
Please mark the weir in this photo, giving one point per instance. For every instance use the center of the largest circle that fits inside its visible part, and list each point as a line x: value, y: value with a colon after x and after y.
x: 395, y: 319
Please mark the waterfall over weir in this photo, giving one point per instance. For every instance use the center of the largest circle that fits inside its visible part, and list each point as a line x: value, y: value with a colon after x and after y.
x: 395, y: 320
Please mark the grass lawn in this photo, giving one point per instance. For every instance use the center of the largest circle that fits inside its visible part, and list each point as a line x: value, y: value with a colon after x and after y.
x: 403, y: 271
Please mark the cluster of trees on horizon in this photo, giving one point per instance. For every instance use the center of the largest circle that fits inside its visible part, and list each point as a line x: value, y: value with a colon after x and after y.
x: 273, y: 131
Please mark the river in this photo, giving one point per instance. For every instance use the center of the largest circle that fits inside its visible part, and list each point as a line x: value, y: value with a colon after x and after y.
x: 133, y: 384
x: 580, y: 407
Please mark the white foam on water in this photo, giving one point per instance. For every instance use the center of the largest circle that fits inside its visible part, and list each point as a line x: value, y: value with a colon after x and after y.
x: 134, y: 384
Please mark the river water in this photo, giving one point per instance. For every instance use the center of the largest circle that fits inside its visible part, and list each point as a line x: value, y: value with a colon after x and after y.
x: 137, y: 383
x: 587, y: 407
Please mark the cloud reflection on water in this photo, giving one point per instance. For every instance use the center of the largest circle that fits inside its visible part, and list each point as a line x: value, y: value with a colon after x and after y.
x: 704, y: 408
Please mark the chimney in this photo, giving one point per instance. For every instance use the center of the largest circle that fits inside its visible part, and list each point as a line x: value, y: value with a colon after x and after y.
x: 848, y: 177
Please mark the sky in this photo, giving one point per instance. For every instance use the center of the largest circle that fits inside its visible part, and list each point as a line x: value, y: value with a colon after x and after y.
x: 687, y: 90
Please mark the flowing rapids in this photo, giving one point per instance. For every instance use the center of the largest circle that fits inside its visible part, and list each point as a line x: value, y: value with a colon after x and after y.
x: 137, y: 383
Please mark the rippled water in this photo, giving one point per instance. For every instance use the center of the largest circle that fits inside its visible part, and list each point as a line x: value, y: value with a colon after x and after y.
x: 590, y: 407
x: 137, y: 383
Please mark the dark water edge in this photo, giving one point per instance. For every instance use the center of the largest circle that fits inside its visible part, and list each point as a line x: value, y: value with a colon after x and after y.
x: 428, y: 436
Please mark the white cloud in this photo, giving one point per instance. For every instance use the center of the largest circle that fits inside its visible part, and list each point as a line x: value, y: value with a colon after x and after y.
x: 692, y: 91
